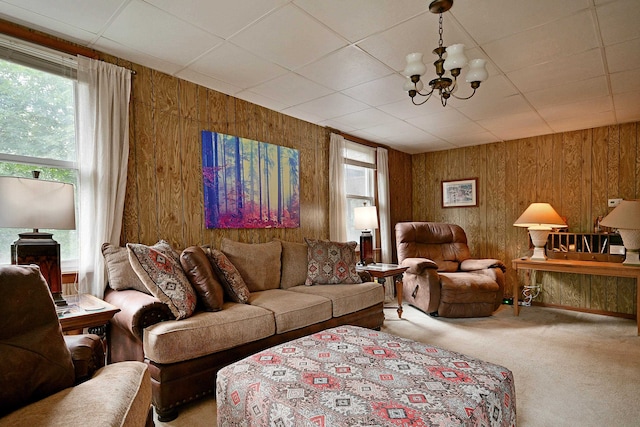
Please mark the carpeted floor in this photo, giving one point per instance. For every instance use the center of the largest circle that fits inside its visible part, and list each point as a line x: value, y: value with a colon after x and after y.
x: 570, y: 368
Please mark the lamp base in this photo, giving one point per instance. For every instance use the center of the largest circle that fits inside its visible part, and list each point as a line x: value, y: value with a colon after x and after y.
x: 40, y: 249
x: 366, y: 248
x: 538, y: 254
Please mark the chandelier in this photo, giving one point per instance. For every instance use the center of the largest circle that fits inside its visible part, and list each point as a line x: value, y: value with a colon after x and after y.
x: 455, y: 61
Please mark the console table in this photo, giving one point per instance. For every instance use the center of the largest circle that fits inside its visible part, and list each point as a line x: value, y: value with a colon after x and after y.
x: 594, y: 268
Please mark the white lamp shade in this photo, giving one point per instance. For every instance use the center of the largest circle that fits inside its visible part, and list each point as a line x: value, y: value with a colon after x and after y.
x: 37, y: 204
x: 477, y: 71
x: 540, y: 216
x: 626, y: 216
x: 455, y: 57
x: 365, y: 218
x: 415, y: 66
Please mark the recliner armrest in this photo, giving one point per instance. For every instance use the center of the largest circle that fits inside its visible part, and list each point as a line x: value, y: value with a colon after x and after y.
x: 418, y: 265
x: 472, y: 264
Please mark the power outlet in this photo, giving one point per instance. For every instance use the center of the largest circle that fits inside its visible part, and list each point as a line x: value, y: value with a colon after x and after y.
x: 614, y: 202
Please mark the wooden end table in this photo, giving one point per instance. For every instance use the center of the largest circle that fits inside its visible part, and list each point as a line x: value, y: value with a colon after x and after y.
x: 382, y: 271
x: 85, y: 311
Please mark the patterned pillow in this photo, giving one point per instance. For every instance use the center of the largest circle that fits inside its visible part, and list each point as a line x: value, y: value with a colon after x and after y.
x: 231, y: 279
x: 331, y: 263
x: 159, y: 269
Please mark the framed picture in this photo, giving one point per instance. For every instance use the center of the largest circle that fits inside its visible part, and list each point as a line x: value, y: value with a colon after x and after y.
x: 460, y: 193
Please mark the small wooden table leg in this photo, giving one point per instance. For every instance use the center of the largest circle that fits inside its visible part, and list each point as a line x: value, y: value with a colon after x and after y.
x: 399, y: 295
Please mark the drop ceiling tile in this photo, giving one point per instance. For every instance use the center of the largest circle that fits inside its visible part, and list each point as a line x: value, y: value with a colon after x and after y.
x: 356, y: 19
x: 404, y: 109
x: 628, y: 101
x: 208, y: 82
x: 236, y: 66
x: 89, y: 16
x: 626, y: 81
x: 379, y: 92
x: 291, y: 89
x: 448, y: 132
x: 364, y: 119
x: 393, y: 129
x: 129, y: 54
x: 490, y: 20
x: 446, y: 118
x: 335, y: 125
x: 585, y: 121
x: 261, y: 100
x: 619, y: 21
x: 160, y: 35
x: 419, y: 34
x: 527, y: 120
x: 598, y: 105
x: 623, y: 56
x: 571, y: 92
x: 330, y: 106
x: 297, y: 113
x: 468, y: 140
x: 345, y: 68
x: 559, y: 71
x: 222, y: 18
x: 304, y: 41
x: 496, y: 108
x: 564, y: 37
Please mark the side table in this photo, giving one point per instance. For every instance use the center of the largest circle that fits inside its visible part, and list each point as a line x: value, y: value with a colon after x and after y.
x: 382, y: 271
x: 85, y: 311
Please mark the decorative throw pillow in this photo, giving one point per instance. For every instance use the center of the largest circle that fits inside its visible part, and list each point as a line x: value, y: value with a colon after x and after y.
x: 200, y: 273
x: 119, y: 271
x: 294, y: 264
x: 158, y: 267
x: 257, y: 263
x: 331, y: 263
x: 231, y: 279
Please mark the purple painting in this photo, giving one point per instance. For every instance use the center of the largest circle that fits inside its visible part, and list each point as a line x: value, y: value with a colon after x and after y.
x: 249, y: 184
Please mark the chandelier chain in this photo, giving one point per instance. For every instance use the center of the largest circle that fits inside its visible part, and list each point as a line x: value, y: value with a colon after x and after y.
x: 440, y: 32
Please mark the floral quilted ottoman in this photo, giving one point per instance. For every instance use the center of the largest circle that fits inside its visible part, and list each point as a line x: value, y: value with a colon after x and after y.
x: 352, y: 376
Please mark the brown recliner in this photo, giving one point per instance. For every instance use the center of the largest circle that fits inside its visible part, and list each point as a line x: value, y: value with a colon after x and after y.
x: 47, y: 378
x: 443, y: 279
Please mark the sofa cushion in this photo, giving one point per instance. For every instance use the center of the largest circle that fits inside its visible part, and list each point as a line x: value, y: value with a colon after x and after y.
x: 119, y: 271
x: 331, y: 262
x: 294, y: 264
x: 158, y: 267
x: 233, y: 283
x: 346, y: 299
x: 34, y: 361
x: 292, y: 310
x: 206, y: 332
x: 200, y: 273
x: 257, y: 263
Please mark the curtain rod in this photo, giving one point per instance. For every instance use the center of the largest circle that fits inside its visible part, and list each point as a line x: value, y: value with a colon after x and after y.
x: 27, y: 34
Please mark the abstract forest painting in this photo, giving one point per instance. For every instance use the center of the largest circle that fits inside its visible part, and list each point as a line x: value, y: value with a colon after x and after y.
x: 249, y: 184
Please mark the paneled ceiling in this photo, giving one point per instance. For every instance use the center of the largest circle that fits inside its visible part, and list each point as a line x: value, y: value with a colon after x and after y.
x: 554, y: 66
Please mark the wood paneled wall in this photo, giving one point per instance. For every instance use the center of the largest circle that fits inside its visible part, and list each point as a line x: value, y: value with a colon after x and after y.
x: 574, y: 171
x: 164, y: 197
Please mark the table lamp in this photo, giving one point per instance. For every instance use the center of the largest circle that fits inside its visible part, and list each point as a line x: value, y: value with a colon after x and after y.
x: 35, y: 203
x: 540, y: 219
x: 626, y: 218
x: 365, y: 218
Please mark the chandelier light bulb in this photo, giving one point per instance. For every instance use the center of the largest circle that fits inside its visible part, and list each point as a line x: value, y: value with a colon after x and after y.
x: 477, y: 71
x: 455, y: 57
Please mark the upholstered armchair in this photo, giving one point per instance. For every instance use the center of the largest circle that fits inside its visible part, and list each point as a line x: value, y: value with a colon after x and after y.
x: 47, y: 378
x: 443, y: 279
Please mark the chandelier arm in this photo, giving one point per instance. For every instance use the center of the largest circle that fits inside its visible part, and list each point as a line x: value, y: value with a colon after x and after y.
x: 458, y: 97
x: 427, y: 95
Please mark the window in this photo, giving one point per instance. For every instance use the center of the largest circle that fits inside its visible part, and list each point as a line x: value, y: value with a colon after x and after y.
x: 37, y: 126
x: 360, y: 188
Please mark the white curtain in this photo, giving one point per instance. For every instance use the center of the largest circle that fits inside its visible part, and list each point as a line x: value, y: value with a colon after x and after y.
x: 337, y: 198
x: 102, y: 129
x: 382, y: 161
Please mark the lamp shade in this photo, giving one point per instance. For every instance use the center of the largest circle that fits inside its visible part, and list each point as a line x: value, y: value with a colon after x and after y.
x: 626, y: 216
x: 35, y: 203
x: 540, y: 216
x: 365, y: 218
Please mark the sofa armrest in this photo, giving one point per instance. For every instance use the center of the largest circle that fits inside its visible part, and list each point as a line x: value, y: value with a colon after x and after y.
x: 87, y: 354
x: 118, y: 395
x: 418, y: 265
x: 137, y: 310
x: 472, y: 264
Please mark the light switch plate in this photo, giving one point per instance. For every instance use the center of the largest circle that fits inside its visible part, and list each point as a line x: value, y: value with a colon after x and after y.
x: 614, y: 202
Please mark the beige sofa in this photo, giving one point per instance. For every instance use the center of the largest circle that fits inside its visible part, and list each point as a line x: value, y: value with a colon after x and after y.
x: 184, y: 355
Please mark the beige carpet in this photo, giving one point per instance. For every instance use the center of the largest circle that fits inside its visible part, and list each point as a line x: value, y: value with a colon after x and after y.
x: 570, y: 368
